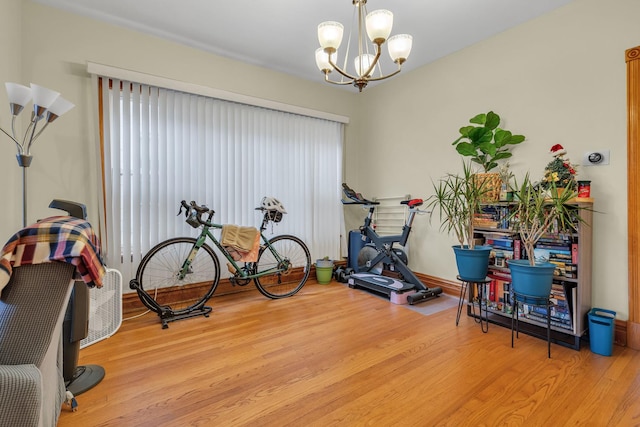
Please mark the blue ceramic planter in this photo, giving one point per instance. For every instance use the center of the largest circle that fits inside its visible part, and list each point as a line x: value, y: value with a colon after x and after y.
x: 534, y: 281
x: 473, y: 264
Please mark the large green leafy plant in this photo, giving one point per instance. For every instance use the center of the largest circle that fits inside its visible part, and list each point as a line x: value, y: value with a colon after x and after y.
x: 484, y: 142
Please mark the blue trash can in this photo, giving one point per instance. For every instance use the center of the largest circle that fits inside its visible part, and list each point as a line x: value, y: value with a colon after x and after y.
x: 601, y: 330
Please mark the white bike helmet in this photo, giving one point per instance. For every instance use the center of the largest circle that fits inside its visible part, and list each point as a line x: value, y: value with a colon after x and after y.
x: 273, y: 204
x: 273, y: 209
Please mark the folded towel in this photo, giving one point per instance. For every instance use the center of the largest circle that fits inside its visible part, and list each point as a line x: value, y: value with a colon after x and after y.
x: 243, y: 243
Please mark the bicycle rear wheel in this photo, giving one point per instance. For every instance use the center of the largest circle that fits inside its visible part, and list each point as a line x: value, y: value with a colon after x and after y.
x: 291, y: 263
x: 159, y: 270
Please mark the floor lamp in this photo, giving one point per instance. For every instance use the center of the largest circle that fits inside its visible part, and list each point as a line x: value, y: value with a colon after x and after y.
x: 48, y: 105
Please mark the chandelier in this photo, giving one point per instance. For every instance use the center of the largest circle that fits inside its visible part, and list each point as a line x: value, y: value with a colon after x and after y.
x: 378, y: 26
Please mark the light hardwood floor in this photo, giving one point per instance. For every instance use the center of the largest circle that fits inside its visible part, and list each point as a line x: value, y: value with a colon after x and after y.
x: 333, y: 356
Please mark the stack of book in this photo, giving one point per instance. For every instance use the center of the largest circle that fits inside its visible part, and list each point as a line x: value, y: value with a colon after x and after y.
x: 493, y: 217
x: 561, y: 251
x: 562, y: 314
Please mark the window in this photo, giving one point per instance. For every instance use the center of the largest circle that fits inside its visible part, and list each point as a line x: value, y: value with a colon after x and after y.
x: 161, y: 146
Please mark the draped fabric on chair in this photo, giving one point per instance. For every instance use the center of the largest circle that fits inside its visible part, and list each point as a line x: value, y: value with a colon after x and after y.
x: 161, y: 146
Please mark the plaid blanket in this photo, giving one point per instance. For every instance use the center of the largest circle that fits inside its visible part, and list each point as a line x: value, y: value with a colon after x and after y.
x: 58, y: 238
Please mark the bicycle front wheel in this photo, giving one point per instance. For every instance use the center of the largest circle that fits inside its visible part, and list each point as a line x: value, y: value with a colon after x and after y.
x: 159, y: 271
x: 289, y: 259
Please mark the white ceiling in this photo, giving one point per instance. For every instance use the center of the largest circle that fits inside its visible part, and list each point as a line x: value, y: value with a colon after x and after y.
x: 281, y: 34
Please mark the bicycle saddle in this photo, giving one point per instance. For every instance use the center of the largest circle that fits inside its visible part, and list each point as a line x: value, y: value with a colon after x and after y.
x: 413, y: 203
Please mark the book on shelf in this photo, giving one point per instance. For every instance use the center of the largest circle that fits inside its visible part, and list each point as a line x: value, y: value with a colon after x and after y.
x: 555, y: 248
x: 560, y: 268
x: 559, y: 316
x: 505, y: 243
x: 556, y: 238
x: 498, y: 274
x: 495, y: 295
x: 542, y: 321
x: 574, y: 253
x: 492, y: 290
x: 566, y: 256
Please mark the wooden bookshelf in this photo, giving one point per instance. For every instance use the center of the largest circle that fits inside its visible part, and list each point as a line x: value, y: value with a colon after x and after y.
x: 577, y: 290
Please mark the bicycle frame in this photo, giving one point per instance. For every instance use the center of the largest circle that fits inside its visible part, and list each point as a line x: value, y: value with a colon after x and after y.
x: 242, y: 273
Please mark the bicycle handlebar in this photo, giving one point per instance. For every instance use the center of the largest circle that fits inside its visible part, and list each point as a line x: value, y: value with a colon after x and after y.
x: 193, y: 213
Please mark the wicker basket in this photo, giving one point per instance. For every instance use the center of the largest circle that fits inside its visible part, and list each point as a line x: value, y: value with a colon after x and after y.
x: 492, y: 184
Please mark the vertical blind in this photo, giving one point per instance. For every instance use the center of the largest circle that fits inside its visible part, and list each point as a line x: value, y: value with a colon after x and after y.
x: 161, y: 146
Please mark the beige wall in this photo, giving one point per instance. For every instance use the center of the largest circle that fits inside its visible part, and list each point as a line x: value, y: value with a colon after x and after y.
x: 52, y: 48
x: 557, y: 79
x: 10, y: 30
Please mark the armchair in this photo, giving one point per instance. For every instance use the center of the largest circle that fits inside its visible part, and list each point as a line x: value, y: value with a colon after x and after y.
x: 32, y: 309
x: 37, y: 270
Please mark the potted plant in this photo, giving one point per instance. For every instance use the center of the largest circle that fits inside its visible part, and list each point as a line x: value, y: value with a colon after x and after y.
x: 486, y: 144
x: 324, y: 270
x: 506, y: 193
x: 457, y: 199
x: 538, y: 211
x: 559, y: 172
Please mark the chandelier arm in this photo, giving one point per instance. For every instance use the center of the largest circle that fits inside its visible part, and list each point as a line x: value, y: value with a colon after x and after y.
x: 375, y: 79
x: 340, y: 70
x: 337, y: 83
x: 373, y: 64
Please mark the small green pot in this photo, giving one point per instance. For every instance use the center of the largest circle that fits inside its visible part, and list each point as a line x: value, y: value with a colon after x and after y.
x: 324, y: 274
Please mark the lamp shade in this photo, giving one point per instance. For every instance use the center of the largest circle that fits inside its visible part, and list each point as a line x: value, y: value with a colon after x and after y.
x: 330, y: 34
x: 18, y: 94
x: 379, y: 24
x: 400, y: 47
x: 322, y: 60
x: 42, y: 96
x: 362, y: 63
x: 60, y: 106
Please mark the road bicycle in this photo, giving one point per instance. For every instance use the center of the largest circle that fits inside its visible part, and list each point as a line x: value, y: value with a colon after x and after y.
x: 177, y: 277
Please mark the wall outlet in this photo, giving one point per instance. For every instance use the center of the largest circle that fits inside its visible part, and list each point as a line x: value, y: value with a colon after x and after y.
x: 596, y: 158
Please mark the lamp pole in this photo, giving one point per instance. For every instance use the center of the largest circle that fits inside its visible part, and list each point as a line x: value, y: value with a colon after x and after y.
x: 24, y: 161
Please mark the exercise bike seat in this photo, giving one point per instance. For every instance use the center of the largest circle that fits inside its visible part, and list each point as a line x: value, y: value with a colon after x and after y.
x: 413, y: 203
x: 356, y: 197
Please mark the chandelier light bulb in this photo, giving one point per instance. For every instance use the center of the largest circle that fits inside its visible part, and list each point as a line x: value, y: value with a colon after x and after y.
x: 379, y: 24
x: 362, y: 64
x: 330, y: 35
x: 322, y: 60
x: 400, y: 47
